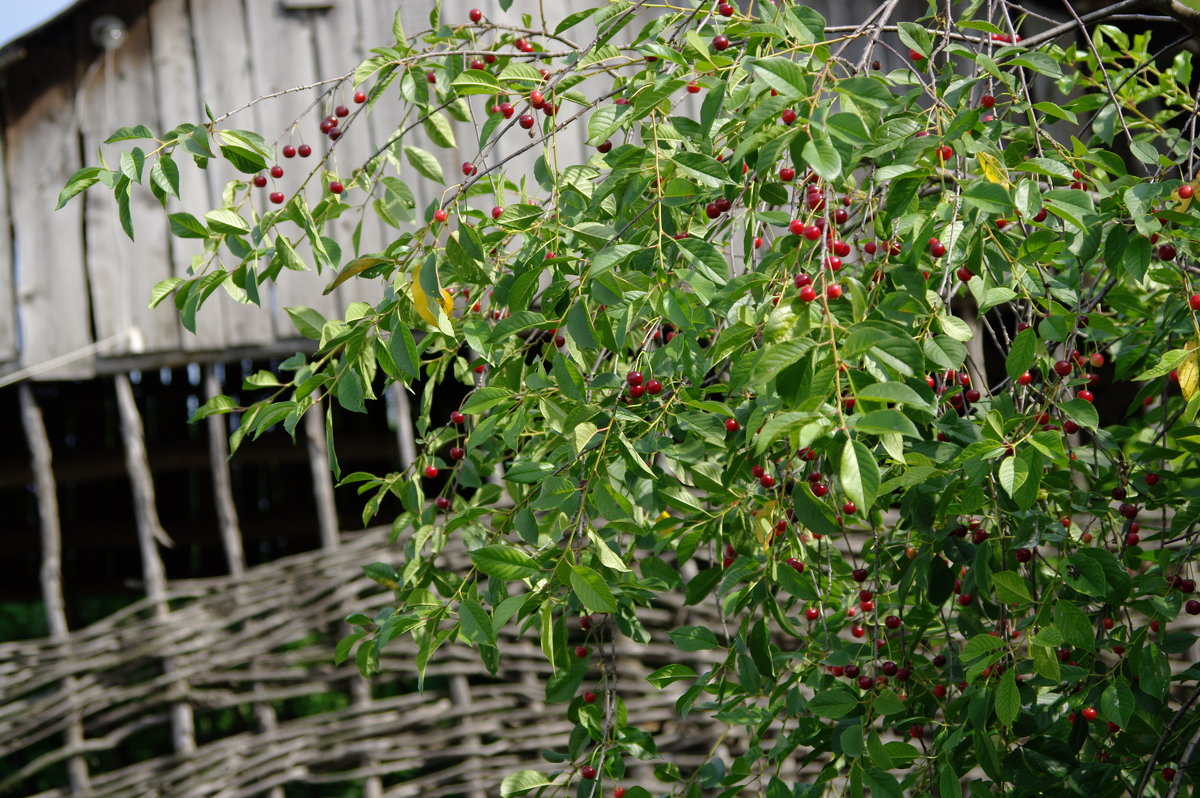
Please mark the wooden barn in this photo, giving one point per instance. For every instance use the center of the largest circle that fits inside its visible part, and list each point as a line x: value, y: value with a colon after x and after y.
x: 168, y: 627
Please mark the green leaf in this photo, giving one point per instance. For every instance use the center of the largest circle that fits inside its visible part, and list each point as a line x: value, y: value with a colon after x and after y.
x: 784, y: 75
x: 163, y: 289
x: 882, y: 422
x: 78, y: 183
x: 127, y: 133
x: 591, y: 589
x: 705, y: 258
x: 1082, y: 412
x: 1021, y: 356
x: 693, y: 638
x: 834, y: 703
x: 1074, y: 625
x: 504, y: 562
x: 702, y: 168
x: 425, y: 164
x: 1168, y: 362
x: 475, y: 81
x: 1117, y: 702
x: 1085, y: 575
x: 823, y: 157
x: 896, y: 392
x: 1008, y: 698
x: 486, y: 398
x: 476, y: 623
x: 1011, y: 587
x: 859, y: 475
x: 224, y: 220
x: 309, y: 322
x: 214, y: 406
x: 669, y: 674
x: 184, y: 225
x: 980, y: 646
x: 523, y: 781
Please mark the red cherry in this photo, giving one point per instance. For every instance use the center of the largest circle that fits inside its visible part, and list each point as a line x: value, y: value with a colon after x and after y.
x: 260, y: 180
x: 442, y: 503
x: 726, y: 9
x: 966, y: 599
x: 1089, y: 713
x: 937, y: 249
x: 1025, y: 379
x: 497, y: 211
x: 276, y: 197
x: 637, y: 391
x: 1085, y: 395
x: 945, y: 152
x: 1128, y: 510
x: 865, y: 682
x: 720, y: 43
x: 431, y: 76
x: 526, y: 121
x: 277, y: 171
x: 304, y: 150
x: 939, y: 691
x: 987, y: 101
x: 468, y: 168
x: 767, y: 481
x: 915, y: 56
x: 833, y: 291
x: 457, y: 418
x: 589, y: 696
x: 440, y: 215
x: 1166, y: 252
x: 1192, y: 607
x: 787, y: 174
x: 731, y: 425
x: 360, y: 97
x: 812, y: 613
x: 788, y: 116
x: 858, y: 631
x: 849, y: 508
x: 693, y: 88
x: 431, y: 471
x: 891, y: 622
x: 807, y: 294
x: 1062, y: 368
x: 618, y: 792
x: 653, y: 387
x: 475, y: 14
x: 1168, y: 774
x: 965, y: 274
x: 604, y: 146
x: 336, y: 188
x: 588, y: 772
x: 1152, y: 478
x: 289, y: 151
x: 1194, y: 302
x: 634, y: 378
x: 581, y: 651
x: 457, y: 453
x: 1186, y: 191
x: 342, y: 111
x: 1132, y: 539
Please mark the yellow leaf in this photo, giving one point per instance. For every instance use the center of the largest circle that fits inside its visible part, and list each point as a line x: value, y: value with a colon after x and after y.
x: 1189, y: 373
x: 993, y: 169
x: 422, y: 301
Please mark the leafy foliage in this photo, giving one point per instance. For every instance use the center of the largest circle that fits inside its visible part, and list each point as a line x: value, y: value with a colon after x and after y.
x: 821, y: 337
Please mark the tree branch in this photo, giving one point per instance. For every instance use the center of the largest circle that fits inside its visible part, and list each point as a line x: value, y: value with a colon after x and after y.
x: 1172, y: 8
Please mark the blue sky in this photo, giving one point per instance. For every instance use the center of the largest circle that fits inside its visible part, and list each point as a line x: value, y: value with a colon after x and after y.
x: 18, y: 16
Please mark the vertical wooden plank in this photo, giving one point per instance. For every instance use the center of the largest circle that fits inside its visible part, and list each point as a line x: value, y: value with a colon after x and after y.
x: 339, y: 48
x: 318, y: 463
x: 218, y: 456
x: 222, y: 53
x: 272, y: 31
x: 118, y: 90
x: 406, y: 436
x: 176, y: 90
x: 51, y: 285
x: 150, y: 535
x: 41, y: 456
x: 8, y: 306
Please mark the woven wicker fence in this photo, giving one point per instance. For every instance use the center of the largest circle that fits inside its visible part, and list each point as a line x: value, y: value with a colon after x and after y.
x: 267, y: 638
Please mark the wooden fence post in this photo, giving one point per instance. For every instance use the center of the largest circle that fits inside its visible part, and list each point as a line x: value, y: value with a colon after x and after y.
x: 51, y: 566
x: 150, y: 533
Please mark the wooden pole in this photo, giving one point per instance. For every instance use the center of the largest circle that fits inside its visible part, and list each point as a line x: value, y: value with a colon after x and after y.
x: 318, y: 463
x: 231, y: 533
x: 150, y: 533
x: 51, y: 567
x: 405, y: 435
x: 218, y: 456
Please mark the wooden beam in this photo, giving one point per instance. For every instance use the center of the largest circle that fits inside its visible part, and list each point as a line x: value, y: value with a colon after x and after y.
x: 41, y: 456
x: 150, y: 534
x: 405, y: 435
x: 318, y: 462
x: 218, y: 456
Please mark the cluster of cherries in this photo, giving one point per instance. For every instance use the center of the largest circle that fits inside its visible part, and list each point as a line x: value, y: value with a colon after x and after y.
x: 328, y: 126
